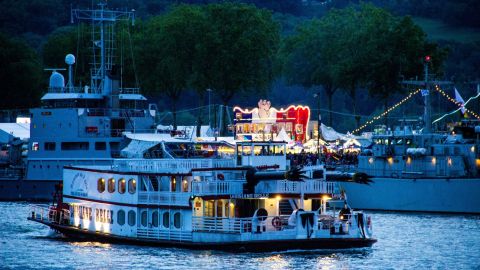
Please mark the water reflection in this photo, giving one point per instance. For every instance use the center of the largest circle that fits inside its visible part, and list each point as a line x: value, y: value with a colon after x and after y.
x: 405, y: 241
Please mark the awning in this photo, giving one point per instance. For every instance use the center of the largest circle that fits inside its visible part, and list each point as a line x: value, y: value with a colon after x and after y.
x: 136, y: 148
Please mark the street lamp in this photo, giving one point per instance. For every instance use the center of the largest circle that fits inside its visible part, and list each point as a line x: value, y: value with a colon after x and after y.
x: 319, y: 123
x: 209, y: 108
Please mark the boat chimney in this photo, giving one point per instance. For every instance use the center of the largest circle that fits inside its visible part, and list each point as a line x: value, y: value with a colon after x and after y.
x: 70, y: 60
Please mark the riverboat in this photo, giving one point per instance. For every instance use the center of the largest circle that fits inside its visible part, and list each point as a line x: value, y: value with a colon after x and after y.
x: 189, y: 198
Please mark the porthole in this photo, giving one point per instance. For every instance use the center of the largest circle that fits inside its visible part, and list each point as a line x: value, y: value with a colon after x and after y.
x: 166, y: 219
x: 111, y: 185
x: 121, y: 217
x: 144, y: 218
x: 101, y: 185
x: 122, y: 185
x: 131, y: 218
x: 155, y: 218
x: 132, y: 186
x: 177, y: 221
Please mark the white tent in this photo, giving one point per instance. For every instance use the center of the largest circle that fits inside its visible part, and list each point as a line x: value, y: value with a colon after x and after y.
x: 329, y: 134
x: 282, y: 136
x: 8, y: 131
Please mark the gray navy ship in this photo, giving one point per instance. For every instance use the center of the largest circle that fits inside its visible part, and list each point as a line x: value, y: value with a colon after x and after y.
x: 81, y: 125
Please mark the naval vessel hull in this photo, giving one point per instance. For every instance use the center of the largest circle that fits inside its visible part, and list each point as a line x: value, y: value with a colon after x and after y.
x: 30, y: 190
x: 447, y: 195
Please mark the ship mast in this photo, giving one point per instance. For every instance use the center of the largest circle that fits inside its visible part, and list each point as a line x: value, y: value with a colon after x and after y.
x: 427, y: 84
x: 103, y: 20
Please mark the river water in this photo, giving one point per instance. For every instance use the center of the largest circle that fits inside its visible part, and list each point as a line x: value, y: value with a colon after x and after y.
x: 405, y: 241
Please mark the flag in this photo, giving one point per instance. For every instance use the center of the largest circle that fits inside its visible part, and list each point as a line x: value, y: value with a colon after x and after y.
x: 460, y: 100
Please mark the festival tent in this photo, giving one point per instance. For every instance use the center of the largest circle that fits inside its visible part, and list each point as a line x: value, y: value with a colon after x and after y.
x: 9, y: 131
x: 282, y: 136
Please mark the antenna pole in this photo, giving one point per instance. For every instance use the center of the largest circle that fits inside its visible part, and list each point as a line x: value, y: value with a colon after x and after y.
x: 427, y: 110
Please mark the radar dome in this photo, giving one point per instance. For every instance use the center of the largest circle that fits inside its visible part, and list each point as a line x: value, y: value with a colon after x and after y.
x: 70, y: 59
x: 57, y: 80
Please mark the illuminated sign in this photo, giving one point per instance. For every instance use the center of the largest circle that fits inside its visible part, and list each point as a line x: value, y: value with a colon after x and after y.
x: 266, y: 123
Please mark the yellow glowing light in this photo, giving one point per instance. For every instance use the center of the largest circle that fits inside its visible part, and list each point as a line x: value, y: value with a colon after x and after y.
x: 326, y: 198
x: 278, y: 197
x: 477, y: 163
x: 409, y: 160
x: 434, y: 160
x: 390, y: 160
x: 472, y: 149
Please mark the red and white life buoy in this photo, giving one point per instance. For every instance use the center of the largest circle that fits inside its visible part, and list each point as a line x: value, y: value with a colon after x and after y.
x: 276, y: 223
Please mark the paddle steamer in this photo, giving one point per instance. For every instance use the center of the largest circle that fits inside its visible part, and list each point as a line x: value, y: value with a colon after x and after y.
x: 192, y: 196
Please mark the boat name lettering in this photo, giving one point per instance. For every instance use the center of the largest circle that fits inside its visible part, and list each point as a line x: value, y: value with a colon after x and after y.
x: 249, y: 196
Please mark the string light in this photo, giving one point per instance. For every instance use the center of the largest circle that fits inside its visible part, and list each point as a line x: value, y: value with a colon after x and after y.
x: 459, y: 104
x: 375, y: 118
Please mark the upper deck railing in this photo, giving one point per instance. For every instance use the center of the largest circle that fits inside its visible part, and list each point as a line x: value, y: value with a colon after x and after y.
x: 292, y: 187
x: 170, y: 165
x: 203, y: 188
x: 164, y: 198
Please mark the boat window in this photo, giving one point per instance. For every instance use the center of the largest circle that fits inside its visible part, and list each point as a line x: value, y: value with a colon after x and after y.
x: 131, y: 218
x: 35, y: 146
x: 122, y: 186
x: 166, y: 219
x: 208, y: 208
x: 132, y: 186
x: 49, y: 146
x: 246, y: 150
x: 111, y: 185
x: 184, y: 184
x: 121, y: 217
x: 219, y: 209
x: 101, y: 185
x: 177, y: 220
x: 72, y: 146
x: 143, y: 219
x: 155, y: 218
x: 100, y: 146
x: 173, y: 184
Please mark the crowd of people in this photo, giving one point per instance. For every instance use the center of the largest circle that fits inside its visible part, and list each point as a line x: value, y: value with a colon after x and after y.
x: 328, y: 158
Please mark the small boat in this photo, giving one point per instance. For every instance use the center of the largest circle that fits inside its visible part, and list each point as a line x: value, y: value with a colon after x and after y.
x: 248, y: 201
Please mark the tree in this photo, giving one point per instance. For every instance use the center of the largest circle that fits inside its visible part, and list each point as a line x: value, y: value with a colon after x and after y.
x: 20, y: 74
x: 168, y: 51
x: 307, y: 59
x: 65, y: 40
x: 240, y: 44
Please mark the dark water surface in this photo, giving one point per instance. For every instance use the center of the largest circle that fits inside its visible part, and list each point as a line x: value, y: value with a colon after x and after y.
x: 405, y: 241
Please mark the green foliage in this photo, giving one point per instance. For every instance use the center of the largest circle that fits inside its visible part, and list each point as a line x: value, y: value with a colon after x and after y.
x: 20, y: 74
x: 228, y: 48
x: 65, y: 40
x: 166, y: 57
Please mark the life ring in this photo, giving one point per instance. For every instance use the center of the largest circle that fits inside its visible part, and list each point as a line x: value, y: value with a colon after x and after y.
x: 220, y: 176
x: 276, y: 223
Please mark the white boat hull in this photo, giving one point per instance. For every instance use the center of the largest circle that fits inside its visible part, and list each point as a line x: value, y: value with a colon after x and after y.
x: 423, y: 195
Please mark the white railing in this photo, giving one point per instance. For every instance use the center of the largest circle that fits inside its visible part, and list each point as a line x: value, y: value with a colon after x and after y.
x: 164, y: 198
x: 162, y: 234
x: 294, y: 187
x: 50, y: 214
x: 170, y: 165
x: 217, y: 187
x: 241, y: 225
